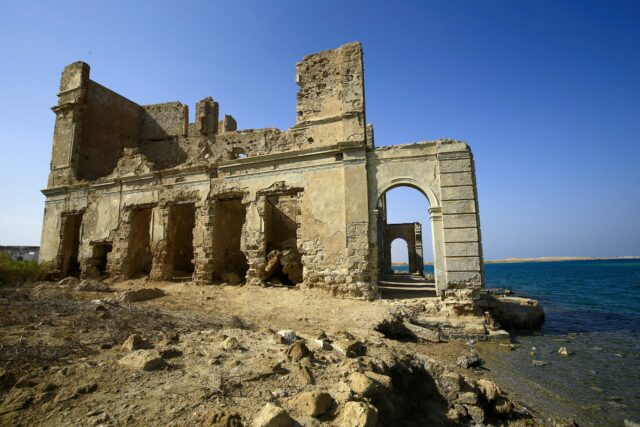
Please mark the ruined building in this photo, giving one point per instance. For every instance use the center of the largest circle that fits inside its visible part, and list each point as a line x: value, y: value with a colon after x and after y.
x: 137, y: 190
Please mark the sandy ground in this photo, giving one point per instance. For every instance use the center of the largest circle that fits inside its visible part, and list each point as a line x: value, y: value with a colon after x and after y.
x: 216, y: 357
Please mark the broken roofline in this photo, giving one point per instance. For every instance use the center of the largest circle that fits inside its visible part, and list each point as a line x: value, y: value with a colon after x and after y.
x: 316, y: 185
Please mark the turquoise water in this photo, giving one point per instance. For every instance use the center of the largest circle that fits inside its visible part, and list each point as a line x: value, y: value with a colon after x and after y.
x: 593, y: 309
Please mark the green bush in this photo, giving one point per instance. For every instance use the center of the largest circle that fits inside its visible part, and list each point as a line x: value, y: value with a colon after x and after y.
x: 17, y: 272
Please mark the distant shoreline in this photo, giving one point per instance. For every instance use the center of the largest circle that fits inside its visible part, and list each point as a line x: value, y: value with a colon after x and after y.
x: 542, y: 259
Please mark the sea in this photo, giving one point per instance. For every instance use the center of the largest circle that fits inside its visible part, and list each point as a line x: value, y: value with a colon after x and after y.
x: 593, y: 309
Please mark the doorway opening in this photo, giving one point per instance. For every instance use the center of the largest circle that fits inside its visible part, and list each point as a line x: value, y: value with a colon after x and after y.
x: 284, y: 261
x: 182, y: 220
x: 139, y: 253
x: 71, y: 224
x: 405, y: 249
x: 99, y: 254
x: 399, y: 255
x: 231, y: 262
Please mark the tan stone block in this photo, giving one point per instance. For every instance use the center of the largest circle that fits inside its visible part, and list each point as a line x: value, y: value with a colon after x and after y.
x: 461, y: 249
x: 459, y: 220
x: 458, y: 193
x: 463, y: 264
x: 464, y: 277
x: 458, y: 206
x: 447, y: 166
x: 455, y: 179
x: 460, y: 235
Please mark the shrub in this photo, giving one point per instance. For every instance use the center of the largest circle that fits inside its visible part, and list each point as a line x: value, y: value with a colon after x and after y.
x: 17, y: 272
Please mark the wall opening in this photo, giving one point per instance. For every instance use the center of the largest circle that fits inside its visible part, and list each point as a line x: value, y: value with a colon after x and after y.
x: 139, y: 253
x: 399, y: 254
x: 70, y: 244
x: 99, y: 254
x: 284, y: 261
x: 230, y: 260
x: 403, y: 212
x: 182, y: 219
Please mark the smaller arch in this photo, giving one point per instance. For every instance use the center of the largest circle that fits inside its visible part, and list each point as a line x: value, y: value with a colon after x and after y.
x: 412, y: 183
x: 405, y: 245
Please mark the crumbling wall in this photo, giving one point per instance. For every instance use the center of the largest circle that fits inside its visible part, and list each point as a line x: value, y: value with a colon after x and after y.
x: 110, y: 123
x: 208, y: 201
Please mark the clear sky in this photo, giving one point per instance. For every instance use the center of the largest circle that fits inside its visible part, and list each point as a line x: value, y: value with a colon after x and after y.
x: 546, y: 92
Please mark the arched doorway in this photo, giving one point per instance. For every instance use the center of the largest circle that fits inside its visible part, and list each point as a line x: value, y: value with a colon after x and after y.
x: 399, y: 255
x: 405, y: 244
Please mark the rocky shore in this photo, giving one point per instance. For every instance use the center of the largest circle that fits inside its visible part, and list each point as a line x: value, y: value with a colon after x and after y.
x: 136, y: 352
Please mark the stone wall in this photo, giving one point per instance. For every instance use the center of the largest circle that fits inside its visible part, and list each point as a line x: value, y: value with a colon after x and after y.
x: 144, y: 179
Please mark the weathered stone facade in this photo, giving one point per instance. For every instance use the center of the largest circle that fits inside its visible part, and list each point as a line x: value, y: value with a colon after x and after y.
x: 138, y: 190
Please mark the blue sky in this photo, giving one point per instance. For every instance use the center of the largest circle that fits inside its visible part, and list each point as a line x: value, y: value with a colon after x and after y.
x: 546, y: 92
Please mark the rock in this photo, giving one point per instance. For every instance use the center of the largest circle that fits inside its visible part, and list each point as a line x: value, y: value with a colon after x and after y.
x: 69, y: 281
x: 223, y: 419
x: 89, y: 285
x: 288, y: 336
x: 312, y: 403
x: 305, y: 374
x: 143, y: 294
x: 515, y: 312
x: 350, y: 348
x: 272, y: 416
x: 357, y: 414
x: 136, y: 342
x: 450, y: 385
x: 539, y: 362
x: 297, y: 351
x: 468, y: 398
x: 230, y: 344
x: 489, y: 389
x: 320, y: 344
x: 563, y: 351
x: 169, y: 338
x: 471, y: 360
x: 369, y: 383
x: 7, y: 380
x: 503, y: 406
x: 144, y: 360
x: 476, y: 413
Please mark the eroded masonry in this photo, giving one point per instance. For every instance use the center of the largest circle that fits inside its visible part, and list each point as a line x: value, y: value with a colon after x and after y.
x: 137, y: 190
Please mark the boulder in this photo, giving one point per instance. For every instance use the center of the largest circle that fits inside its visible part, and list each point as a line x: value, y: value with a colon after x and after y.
x: 563, y: 351
x: 350, y: 348
x: 89, y: 285
x: 145, y: 360
x: 137, y: 295
x: 230, y: 343
x: 312, y: 404
x: 136, y: 342
x: 515, y: 312
x: 369, y: 383
x: 288, y: 336
x: 272, y: 416
x: 297, y: 351
x: 357, y: 414
x: 69, y: 281
x: 471, y: 360
x: 489, y: 389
